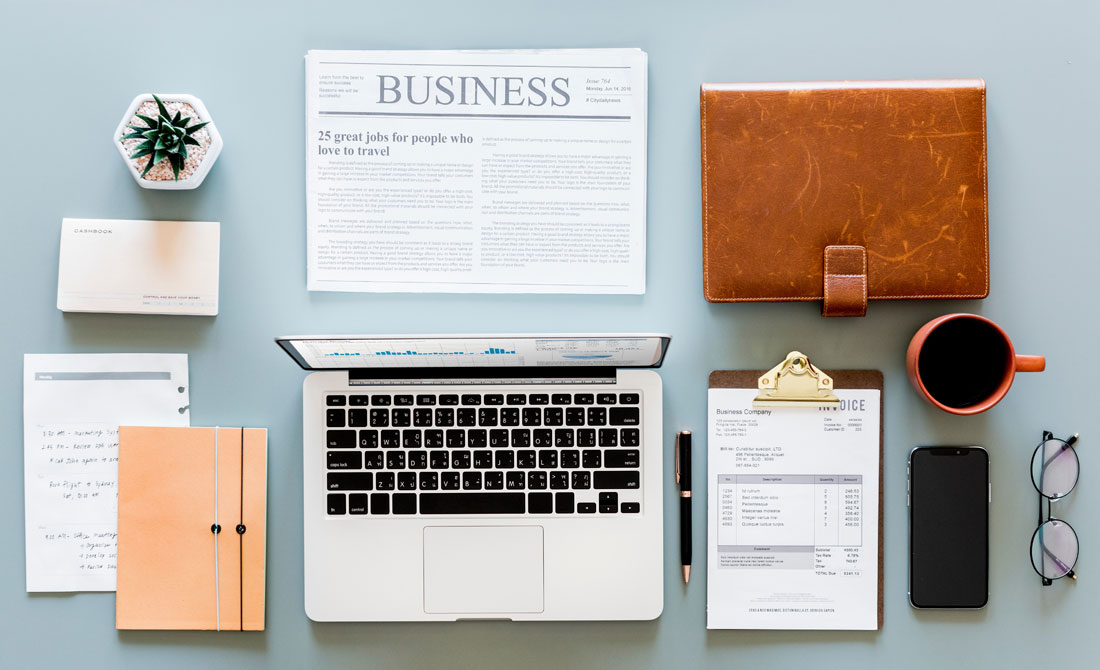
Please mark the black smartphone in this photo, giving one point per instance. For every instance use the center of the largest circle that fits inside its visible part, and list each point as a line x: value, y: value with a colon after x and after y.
x: 949, y: 497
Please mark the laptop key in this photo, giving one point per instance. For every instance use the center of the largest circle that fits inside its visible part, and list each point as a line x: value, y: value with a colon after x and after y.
x: 379, y: 503
x: 541, y: 439
x: 487, y: 416
x: 631, y: 508
x: 340, y: 439
x: 460, y: 460
x: 521, y: 438
x: 477, y: 438
x: 515, y: 480
x: 616, y: 479
x: 357, y: 418
x: 630, y: 437
x: 379, y: 400
x: 334, y: 418
x: 494, y: 480
x: 597, y: 416
x: 505, y: 460
x: 509, y: 416
x: 536, y: 479
x: 609, y: 503
x: 360, y: 400
x: 385, y: 481
x: 450, y: 399
x: 483, y: 460
x: 526, y: 459
x: 621, y: 458
x: 345, y: 460
x: 538, y: 399
x: 609, y: 437
x: 401, y: 417
x: 552, y: 416
x: 517, y: 399
x: 586, y: 508
x: 471, y: 481
x: 391, y: 439
x: 467, y: 416
x: 336, y: 400
x: 395, y: 460
x: 559, y: 480
x: 563, y: 437
x: 418, y: 460
x: 624, y: 416
x: 337, y: 503
x: 574, y: 416
x: 629, y: 399
x: 374, y: 460
x: 350, y: 481
x: 583, y: 399
x: 404, y: 503
x: 403, y: 400
x: 494, y: 399
x: 357, y: 503
x: 590, y: 458
x: 532, y: 416
x: 498, y: 438
x: 540, y: 503
x: 425, y: 399
x: 450, y: 481
x: 433, y: 439
x: 471, y: 399
x: 429, y: 481
x: 563, y: 502
x: 561, y: 398
x: 548, y: 459
x: 406, y: 481
x: 422, y: 417
x: 586, y: 437
x: 471, y: 503
x: 411, y: 439
x: 581, y: 479
x: 439, y: 460
x: 379, y: 418
x: 605, y: 398
x: 444, y: 416
x: 570, y: 458
x: 456, y: 439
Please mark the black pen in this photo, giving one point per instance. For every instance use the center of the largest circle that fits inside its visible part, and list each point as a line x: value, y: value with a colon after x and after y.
x: 683, y: 478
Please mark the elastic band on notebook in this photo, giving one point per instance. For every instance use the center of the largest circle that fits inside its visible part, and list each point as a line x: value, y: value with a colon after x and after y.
x: 216, y: 528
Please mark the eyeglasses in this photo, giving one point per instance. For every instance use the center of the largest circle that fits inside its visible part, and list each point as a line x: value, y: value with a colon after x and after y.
x: 1054, y: 472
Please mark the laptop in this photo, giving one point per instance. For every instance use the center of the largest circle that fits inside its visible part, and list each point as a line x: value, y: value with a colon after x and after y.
x: 496, y: 477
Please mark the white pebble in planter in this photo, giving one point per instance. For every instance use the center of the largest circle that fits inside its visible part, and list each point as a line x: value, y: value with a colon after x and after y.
x: 169, y: 144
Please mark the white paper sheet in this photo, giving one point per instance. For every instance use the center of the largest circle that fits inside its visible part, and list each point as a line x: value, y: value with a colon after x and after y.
x: 73, y: 405
x: 476, y: 171
x: 792, y: 513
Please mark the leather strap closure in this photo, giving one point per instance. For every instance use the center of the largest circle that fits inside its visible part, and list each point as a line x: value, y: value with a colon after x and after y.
x: 845, y: 280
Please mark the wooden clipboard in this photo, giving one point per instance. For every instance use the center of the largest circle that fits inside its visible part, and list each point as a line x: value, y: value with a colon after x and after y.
x: 841, y: 379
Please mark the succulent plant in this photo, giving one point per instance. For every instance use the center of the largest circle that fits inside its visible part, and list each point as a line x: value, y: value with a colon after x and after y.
x: 165, y: 137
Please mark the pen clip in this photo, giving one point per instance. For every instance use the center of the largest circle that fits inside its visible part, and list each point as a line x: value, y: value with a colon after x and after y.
x: 676, y: 457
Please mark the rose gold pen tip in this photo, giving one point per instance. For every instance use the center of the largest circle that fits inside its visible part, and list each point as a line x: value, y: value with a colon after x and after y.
x: 687, y: 573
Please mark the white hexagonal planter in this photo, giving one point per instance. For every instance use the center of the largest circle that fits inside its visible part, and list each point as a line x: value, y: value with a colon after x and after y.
x: 200, y: 158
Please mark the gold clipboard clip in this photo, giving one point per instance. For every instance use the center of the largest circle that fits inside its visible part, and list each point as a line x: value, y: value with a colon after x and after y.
x: 795, y: 381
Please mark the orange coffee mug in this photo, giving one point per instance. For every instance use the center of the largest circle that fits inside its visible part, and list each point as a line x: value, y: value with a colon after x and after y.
x: 965, y: 363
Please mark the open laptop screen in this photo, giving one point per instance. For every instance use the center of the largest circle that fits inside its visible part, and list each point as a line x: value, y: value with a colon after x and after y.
x: 619, y: 351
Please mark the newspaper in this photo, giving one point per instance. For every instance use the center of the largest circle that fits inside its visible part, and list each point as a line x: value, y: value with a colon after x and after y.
x: 476, y: 171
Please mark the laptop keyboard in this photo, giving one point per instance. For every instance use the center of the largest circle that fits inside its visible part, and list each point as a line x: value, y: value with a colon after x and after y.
x: 483, y: 453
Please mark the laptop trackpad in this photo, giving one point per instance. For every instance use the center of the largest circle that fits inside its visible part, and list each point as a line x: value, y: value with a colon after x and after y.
x: 482, y: 569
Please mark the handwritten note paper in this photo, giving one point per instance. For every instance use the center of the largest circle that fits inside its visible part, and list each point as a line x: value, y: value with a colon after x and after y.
x: 73, y: 406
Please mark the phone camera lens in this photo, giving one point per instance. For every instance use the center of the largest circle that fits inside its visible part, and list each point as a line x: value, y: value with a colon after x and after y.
x: 958, y: 452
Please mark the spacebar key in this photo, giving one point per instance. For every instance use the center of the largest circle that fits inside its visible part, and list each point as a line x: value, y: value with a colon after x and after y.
x: 471, y: 503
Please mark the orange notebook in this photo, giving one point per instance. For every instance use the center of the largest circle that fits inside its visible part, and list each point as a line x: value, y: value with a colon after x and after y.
x: 176, y: 486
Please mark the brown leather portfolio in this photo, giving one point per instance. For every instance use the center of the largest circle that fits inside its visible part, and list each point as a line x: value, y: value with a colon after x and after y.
x: 844, y: 192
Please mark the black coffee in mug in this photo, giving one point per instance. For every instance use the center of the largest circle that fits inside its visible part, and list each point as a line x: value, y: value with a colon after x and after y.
x: 963, y: 362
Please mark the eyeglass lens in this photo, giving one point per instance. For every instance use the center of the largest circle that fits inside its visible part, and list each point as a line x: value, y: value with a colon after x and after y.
x: 1054, y: 468
x: 1054, y: 549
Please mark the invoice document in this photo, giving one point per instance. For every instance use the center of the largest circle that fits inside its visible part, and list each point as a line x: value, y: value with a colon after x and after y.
x: 792, y: 513
x: 518, y: 171
x: 73, y: 405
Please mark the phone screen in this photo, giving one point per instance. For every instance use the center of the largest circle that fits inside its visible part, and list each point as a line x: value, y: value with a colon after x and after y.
x: 949, y: 527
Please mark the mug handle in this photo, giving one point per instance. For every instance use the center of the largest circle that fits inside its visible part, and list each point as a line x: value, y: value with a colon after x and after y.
x: 1030, y: 363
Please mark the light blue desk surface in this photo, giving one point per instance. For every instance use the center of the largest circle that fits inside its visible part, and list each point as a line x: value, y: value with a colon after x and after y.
x: 69, y: 69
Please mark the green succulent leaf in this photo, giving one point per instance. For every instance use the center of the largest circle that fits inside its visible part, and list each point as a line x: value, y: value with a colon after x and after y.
x: 160, y: 106
x: 152, y: 122
x: 177, y: 164
x: 133, y: 136
x: 148, y: 166
x: 198, y: 126
x: 176, y: 119
x: 187, y: 139
x: 141, y: 152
